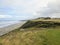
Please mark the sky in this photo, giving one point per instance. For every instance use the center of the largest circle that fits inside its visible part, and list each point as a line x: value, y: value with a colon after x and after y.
x: 28, y: 9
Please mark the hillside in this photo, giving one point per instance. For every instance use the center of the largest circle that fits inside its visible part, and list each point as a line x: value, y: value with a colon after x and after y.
x: 34, y: 32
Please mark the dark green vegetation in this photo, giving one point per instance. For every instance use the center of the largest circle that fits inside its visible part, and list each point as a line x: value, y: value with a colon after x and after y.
x: 34, y: 32
x: 41, y: 24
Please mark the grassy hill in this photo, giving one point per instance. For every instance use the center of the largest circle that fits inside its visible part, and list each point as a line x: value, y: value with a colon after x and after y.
x: 34, y: 32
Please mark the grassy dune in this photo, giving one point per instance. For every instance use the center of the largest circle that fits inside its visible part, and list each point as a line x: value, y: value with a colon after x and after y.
x: 37, y: 34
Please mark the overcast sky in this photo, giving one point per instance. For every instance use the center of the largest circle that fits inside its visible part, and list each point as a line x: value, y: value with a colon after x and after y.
x: 27, y: 9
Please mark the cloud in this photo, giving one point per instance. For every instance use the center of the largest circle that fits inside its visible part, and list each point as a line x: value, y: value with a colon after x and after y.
x: 29, y: 8
x: 24, y: 6
x: 52, y: 9
x: 5, y: 16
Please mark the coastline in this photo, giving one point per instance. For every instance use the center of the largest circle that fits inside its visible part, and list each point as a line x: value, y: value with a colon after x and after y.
x: 9, y: 28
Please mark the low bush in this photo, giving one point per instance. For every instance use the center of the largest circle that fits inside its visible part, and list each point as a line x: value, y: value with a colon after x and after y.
x: 41, y: 24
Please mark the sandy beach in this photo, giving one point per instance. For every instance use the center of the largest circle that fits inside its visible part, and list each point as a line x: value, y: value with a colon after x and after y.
x: 9, y: 28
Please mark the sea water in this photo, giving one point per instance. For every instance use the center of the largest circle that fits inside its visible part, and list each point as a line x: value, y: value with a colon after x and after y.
x: 7, y: 23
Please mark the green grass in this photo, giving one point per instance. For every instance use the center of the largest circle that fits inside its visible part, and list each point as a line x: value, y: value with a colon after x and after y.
x: 32, y: 36
x: 34, y: 32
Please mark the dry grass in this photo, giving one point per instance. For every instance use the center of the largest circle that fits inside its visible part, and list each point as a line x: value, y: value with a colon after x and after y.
x: 22, y: 38
x: 32, y: 36
x: 53, y: 20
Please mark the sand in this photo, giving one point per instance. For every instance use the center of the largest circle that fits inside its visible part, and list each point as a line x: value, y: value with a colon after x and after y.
x: 9, y: 28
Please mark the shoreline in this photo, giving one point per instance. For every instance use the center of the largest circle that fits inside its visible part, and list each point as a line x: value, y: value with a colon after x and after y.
x: 9, y: 28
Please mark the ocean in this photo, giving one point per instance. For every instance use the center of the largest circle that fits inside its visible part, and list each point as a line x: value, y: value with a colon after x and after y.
x: 7, y: 23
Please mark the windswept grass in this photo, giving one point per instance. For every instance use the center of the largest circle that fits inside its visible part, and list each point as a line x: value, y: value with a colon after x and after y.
x: 32, y: 34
